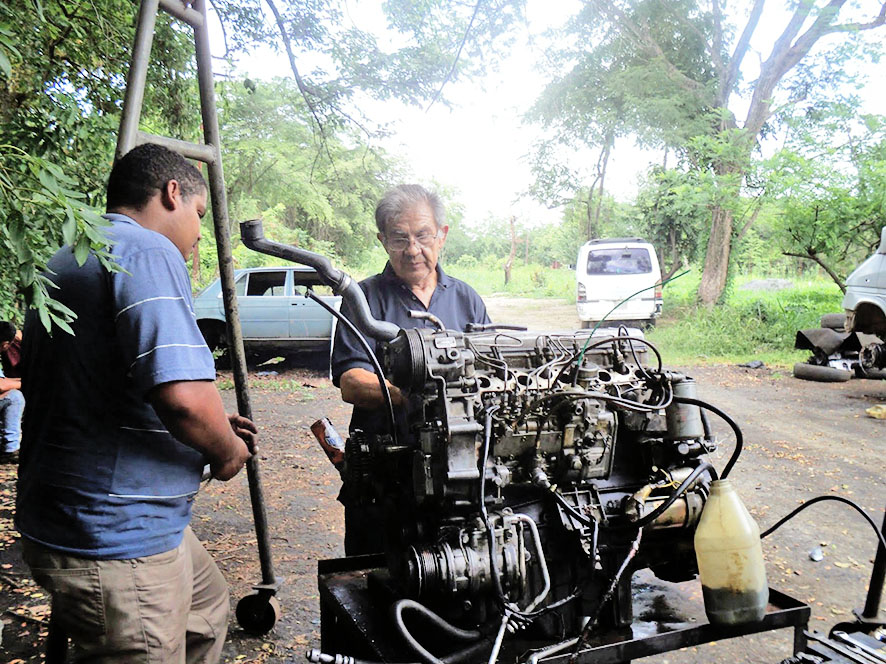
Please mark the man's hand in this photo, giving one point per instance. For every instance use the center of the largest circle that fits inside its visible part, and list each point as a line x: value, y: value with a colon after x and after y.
x: 245, y: 430
x: 360, y: 387
x: 192, y: 410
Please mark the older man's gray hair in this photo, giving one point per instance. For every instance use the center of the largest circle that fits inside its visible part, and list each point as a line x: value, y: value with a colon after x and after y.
x: 403, y: 197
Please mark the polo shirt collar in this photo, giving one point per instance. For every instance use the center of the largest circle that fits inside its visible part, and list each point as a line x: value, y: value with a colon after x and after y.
x: 443, y: 279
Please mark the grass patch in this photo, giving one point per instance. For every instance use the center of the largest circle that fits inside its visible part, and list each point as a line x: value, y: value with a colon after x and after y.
x: 531, y: 280
x: 747, y: 325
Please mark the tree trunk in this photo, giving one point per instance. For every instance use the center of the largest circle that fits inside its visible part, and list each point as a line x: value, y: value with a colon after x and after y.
x: 510, y: 261
x: 716, y: 262
x: 604, y: 162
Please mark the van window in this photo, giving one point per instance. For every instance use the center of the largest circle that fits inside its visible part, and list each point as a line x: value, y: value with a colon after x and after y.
x: 619, y: 261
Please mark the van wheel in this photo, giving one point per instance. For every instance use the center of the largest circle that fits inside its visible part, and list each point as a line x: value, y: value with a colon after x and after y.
x: 650, y: 324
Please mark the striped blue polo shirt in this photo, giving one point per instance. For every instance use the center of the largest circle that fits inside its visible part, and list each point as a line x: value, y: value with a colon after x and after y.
x: 100, y: 476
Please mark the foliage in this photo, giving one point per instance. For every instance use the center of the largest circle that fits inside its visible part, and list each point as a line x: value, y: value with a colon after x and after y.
x: 32, y: 191
x: 669, y: 75
x: 62, y: 81
x: 531, y: 280
x: 320, y: 201
x: 674, y: 208
x: 410, y: 61
x: 828, y: 187
x: 62, y: 71
x: 748, y: 324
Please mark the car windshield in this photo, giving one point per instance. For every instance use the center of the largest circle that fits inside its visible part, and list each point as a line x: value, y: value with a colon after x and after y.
x: 619, y: 261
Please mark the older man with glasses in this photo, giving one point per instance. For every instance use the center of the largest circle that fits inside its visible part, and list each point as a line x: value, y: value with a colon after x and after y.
x: 411, y: 227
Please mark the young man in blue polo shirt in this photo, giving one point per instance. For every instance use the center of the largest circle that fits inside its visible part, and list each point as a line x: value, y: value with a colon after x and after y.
x: 412, y: 229
x: 121, y: 419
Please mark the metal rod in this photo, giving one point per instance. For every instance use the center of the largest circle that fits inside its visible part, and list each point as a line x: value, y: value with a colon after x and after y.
x: 878, y: 574
x: 229, y: 296
x: 205, y: 153
x: 178, y: 9
x: 135, y: 79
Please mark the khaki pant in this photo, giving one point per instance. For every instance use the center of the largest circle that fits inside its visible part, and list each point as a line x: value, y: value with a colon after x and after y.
x: 172, y: 607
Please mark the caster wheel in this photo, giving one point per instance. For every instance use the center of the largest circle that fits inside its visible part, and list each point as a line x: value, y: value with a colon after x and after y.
x: 258, y: 613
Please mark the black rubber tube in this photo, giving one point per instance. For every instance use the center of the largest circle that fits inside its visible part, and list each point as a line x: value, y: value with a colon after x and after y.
x: 739, y: 438
x: 819, y: 499
x: 386, y: 393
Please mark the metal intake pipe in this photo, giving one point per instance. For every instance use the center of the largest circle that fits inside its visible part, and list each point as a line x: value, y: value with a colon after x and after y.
x: 253, y: 237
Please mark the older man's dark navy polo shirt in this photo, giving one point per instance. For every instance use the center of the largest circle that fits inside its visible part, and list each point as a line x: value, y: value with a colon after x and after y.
x: 453, y: 302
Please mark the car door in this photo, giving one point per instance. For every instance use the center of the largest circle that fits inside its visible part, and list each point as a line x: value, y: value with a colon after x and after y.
x: 264, y: 305
x: 309, y: 320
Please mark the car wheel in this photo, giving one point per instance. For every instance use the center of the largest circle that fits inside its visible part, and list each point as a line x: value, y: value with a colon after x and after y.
x: 820, y: 374
x: 214, y: 334
x: 834, y: 321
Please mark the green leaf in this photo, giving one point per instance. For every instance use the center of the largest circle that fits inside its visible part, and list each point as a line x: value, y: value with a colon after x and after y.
x: 44, y: 318
x: 55, y: 305
x: 62, y: 324
x: 69, y: 228
x: 47, y: 181
x: 81, y: 250
x: 5, y: 65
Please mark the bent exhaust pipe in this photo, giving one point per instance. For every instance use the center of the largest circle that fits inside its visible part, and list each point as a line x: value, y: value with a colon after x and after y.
x: 252, y: 234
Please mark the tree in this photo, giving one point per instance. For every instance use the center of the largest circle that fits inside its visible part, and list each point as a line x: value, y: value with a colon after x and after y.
x: 320, y: 201
x: 680, y: 69
x: 62, y: 74
x: 673, y: 205
x: 61, y: 85
x: 828, y: 187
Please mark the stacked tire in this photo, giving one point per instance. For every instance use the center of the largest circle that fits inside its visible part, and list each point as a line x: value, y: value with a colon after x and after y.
x: 823, y: 373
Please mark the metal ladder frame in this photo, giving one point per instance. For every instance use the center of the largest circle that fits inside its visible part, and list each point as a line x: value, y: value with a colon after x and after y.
x: 259, y: 609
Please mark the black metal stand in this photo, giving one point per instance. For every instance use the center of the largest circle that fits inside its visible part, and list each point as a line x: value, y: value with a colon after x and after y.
x: 351, y: 624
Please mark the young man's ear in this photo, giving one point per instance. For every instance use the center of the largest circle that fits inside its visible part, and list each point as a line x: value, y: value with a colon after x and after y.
x: 170, y: 195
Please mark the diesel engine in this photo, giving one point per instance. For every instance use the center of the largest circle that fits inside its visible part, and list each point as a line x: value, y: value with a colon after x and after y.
x: 536, y: 473
x: 539, y: 471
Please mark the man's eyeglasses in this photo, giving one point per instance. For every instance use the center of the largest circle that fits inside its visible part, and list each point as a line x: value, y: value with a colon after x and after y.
x: 403, y: 242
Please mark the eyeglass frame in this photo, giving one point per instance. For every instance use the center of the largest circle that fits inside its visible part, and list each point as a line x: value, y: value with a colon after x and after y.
x: 410, y: 239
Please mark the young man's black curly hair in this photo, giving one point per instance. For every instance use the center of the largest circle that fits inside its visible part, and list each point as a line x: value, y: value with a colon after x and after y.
x: 144, y: 171
x: 7, y: 331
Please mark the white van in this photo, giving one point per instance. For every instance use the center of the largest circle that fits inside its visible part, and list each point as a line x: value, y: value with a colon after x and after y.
x: 610, y: 270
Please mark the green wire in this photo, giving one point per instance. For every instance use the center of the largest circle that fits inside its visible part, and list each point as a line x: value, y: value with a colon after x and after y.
x: 591, y: 335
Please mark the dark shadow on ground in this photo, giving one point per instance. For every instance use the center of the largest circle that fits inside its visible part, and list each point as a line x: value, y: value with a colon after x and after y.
x: 280, y: 360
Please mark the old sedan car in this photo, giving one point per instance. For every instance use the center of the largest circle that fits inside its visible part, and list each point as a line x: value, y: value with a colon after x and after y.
x: 274, y: 312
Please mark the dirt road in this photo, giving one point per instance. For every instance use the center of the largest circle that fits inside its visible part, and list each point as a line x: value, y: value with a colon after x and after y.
x: 801, y: 440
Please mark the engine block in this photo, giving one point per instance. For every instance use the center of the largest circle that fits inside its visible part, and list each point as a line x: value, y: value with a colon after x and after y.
x: 532, y: 464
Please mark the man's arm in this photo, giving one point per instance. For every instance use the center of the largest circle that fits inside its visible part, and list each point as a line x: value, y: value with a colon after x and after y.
x: 360, y: 387
x: 193, y: 412
x: 7, y: 384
